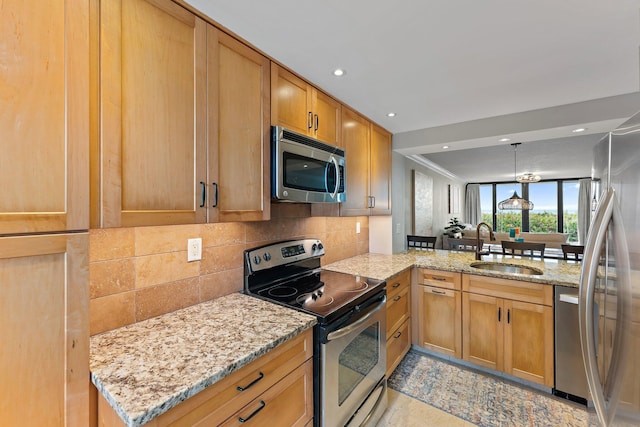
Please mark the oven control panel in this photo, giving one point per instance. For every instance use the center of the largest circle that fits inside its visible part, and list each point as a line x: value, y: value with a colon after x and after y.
x: 281, y: 253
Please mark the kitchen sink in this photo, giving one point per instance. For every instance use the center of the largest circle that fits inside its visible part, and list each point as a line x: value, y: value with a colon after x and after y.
x: 506, y: 268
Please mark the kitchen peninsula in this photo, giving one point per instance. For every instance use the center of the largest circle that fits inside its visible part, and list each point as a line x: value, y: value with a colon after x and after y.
x: 145, y: 369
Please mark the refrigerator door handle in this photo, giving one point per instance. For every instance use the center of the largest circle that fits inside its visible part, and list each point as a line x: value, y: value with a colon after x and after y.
x: 608, y: 211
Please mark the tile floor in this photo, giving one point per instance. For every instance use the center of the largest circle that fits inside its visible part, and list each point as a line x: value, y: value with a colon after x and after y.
x: 406, y: 411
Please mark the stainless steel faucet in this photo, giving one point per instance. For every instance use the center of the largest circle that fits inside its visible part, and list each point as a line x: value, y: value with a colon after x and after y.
x: 492, y: 237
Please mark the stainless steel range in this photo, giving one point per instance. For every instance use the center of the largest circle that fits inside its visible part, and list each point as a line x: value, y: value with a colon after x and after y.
x: 350, y: 387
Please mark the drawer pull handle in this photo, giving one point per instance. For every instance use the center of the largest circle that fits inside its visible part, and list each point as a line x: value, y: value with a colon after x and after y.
x: 397, y: 298
x: 244, y: 420
x: 499, y: 314
x: 204, y: 193
x: 440, y: 279
x: 397, y: 335
x: 438, y: 292
x: 396, y: 285
x: 261, y: 376
x: 508, y: 316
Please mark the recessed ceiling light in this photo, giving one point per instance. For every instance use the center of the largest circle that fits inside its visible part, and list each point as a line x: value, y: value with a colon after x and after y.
x: 504, y: 139
x: 444, y: 147
x: 392, y: 114
x: 339, y: 72
x: 578, y: 130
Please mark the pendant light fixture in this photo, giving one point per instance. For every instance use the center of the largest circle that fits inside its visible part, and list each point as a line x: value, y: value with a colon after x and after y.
x: 515, y: 202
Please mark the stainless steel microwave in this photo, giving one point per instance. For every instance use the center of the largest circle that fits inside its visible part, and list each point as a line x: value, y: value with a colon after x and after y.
x: 304, y: 169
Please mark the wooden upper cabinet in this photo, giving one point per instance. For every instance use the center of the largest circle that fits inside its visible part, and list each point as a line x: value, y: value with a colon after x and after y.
x: 238, y: 130
x: 152, y: 125
x: 298, y: 106
x: 380, y: 171
x: 356, y: 137
x: 44, y: 119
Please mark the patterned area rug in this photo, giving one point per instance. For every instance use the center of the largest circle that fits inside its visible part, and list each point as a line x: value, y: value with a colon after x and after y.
x: 482, y: 399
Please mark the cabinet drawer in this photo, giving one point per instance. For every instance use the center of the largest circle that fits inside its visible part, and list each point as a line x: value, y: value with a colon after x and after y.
x: 440, y: 279
x: 223, y: 398
x: 398, y: 309
x: 288, y: 403
x: 397, y: 283
x: 398, y: 345
x: 517, y: 290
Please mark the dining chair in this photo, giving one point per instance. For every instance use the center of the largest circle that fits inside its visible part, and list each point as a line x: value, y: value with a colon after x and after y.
x: 464, y: 244
x: 576, y: 251
x: 421, y: 242
x: 522, y: 247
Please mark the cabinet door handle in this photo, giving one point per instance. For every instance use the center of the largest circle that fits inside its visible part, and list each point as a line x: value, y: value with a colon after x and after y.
x: 499, y: 314
x: 395, y: 285
x: 244, y: 420
x: 438, y: 292
x: 251, y: 384
x: 317, y: 122
x: 373, y: 201
x: 397, y: 298
x: 397, y: 335
x: 508, y: 316
x: 204, y: 193
x: 310, y: 120
x: 215, y: 197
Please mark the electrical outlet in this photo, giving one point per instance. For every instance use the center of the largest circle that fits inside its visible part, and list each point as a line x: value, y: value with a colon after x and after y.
x: 357, y: 227
x: 194, y: 249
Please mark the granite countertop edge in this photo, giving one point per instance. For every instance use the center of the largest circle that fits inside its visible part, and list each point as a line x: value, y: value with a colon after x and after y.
x: 134, y: 418
x: 556, y: 272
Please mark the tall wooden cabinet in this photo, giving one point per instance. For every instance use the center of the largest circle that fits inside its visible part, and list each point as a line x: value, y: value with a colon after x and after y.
x: 368, y: 151
x: 300, y: 107
x: 508, y: 326
x: 238, y: 130
x: 44, y: 350
x: 151, y: 140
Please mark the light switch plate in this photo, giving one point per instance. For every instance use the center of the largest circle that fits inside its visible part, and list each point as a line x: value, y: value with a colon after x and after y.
x: 357, y: 227
x: 194, y: 249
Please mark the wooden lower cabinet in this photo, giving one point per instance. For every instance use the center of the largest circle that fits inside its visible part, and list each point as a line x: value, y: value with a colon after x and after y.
x: 278, y: 391
x: 509, y: 335
x: 439, y: 311
x: 398, y: 319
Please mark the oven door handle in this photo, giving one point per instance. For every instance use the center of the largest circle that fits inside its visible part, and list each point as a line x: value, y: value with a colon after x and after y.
x: 350, y: 328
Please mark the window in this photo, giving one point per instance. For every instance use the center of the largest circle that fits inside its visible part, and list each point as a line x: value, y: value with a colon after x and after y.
x: 570, y: 190
x: 555, y: 207
x: 543, y: 218
x: 507, y: 219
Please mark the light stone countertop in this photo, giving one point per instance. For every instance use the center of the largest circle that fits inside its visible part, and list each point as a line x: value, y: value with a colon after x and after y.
x: 379, y: 266
x: 147, y: 368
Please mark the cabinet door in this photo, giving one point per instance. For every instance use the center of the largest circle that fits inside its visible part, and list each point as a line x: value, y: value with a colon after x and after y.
x: 239, y: 132
x: 528, y: 341
x: 153, y: 112
x: 380, y: 171
x: 327, y: 119
x: 44, y: 119
x: 44, y: 318
x: 440, y: 312
x: 482, y: 330
x: 291, y: 101
x: 356, y: 139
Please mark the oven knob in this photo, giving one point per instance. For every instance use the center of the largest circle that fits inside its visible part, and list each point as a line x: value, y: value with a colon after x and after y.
x: 319, y: 293
x: 320, y: 246
x: 314, y: 247
x: 267, y: 256
x: 256, y: 259
x: 314, y: 296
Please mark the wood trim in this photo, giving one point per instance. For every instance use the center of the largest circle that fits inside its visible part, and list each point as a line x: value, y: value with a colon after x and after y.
x: 518, y: 290
x: 32, y: 245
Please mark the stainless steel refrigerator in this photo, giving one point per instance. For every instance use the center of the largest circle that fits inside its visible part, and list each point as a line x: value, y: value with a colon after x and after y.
x: 609, y: 295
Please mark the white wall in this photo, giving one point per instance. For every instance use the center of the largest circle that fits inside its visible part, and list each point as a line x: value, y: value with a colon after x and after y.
x: 402, y: 214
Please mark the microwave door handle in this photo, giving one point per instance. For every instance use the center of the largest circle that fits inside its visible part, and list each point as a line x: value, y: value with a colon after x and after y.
x: 335, y: 163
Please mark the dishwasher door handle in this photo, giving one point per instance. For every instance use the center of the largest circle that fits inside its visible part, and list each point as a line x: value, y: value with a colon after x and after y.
x: 570, y: 298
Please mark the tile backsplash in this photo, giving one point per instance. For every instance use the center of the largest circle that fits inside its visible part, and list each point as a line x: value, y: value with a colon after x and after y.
x: 141, y: 272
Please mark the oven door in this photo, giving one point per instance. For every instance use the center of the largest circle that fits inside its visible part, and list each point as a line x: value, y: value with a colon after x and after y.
x: 353, y: 362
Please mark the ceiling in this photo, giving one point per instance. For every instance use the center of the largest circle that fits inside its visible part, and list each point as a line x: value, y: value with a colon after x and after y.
x: 460, y: 73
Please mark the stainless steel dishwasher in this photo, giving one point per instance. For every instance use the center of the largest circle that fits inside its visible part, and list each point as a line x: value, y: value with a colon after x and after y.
x: 571, y: 377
